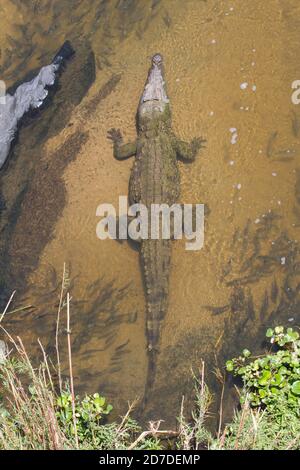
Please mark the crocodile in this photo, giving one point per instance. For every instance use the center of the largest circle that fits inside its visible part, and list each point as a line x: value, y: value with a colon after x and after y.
x: 28, y: 95
x: 155, y: 179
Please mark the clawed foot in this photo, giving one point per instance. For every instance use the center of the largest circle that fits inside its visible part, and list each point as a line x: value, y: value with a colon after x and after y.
x: 115, y: 136
x: 198, y: 144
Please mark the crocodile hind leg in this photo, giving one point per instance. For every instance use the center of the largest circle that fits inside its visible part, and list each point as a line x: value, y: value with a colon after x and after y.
x: 121, y: 150
x: 187, y: 151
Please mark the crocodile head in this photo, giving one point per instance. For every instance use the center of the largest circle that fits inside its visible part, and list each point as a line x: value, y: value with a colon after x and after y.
x: 154, y: 101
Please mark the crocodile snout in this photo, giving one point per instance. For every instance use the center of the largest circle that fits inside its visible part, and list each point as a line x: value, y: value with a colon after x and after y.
x: 157, y: 59
x: 154, y: 97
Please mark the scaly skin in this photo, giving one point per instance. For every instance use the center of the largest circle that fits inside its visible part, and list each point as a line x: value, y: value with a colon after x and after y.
x: 155, y: 179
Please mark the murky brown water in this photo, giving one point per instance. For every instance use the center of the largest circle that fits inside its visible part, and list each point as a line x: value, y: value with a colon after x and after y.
x: 229, y: 68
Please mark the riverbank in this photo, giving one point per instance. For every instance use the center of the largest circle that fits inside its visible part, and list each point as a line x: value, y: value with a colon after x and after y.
x: 39, y: 409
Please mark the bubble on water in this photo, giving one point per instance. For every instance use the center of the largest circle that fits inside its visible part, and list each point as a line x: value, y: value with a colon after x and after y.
x: 234, y: 136
x: 244, y: 85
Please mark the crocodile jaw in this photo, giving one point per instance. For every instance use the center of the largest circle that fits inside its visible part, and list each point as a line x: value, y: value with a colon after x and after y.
x: 154, y: 98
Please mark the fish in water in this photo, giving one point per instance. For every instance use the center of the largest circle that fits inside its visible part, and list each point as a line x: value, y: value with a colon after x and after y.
x: 28, y: 95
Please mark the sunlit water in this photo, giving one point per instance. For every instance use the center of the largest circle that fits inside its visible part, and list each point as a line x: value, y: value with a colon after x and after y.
x: 229, y: 70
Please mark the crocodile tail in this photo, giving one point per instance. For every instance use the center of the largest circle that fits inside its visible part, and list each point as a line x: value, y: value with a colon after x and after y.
x: 156, y: 264
x: 156, y: 310
x: 156, y: 267
x: 151, y: 371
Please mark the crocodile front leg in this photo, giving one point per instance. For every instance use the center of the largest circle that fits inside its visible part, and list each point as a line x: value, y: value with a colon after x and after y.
x: 186, y: 151
x: 121, y: 150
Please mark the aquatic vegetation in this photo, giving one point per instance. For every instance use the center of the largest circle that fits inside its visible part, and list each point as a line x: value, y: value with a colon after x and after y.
x: 34, y: 416
x: 89, y: 413
x: 273, y: 378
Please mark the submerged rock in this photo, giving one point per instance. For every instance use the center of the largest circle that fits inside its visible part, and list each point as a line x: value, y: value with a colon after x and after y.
x: 29, y: 95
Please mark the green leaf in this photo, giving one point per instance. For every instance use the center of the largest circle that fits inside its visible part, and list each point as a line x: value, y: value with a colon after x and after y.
x: 296, y: 387
x: 294, y: 335
x: 229, y: 366
x: 283, y: 370
x: 269, y: 333
x: 277, y: 379
x: 100, y: 401
x: 278, y: 329
x: 246, y: 353
x: 262, y: 393
x: 266, y: 375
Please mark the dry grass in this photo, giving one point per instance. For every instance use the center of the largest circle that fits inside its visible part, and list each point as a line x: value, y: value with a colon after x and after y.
x: 31, y: 422
x: 29, y: 419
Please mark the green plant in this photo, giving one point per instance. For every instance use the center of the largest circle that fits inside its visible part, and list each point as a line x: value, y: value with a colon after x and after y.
x: 257, y: 429
x: 193, y: 433
x: 274, y: 378
x: 89, y: 414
